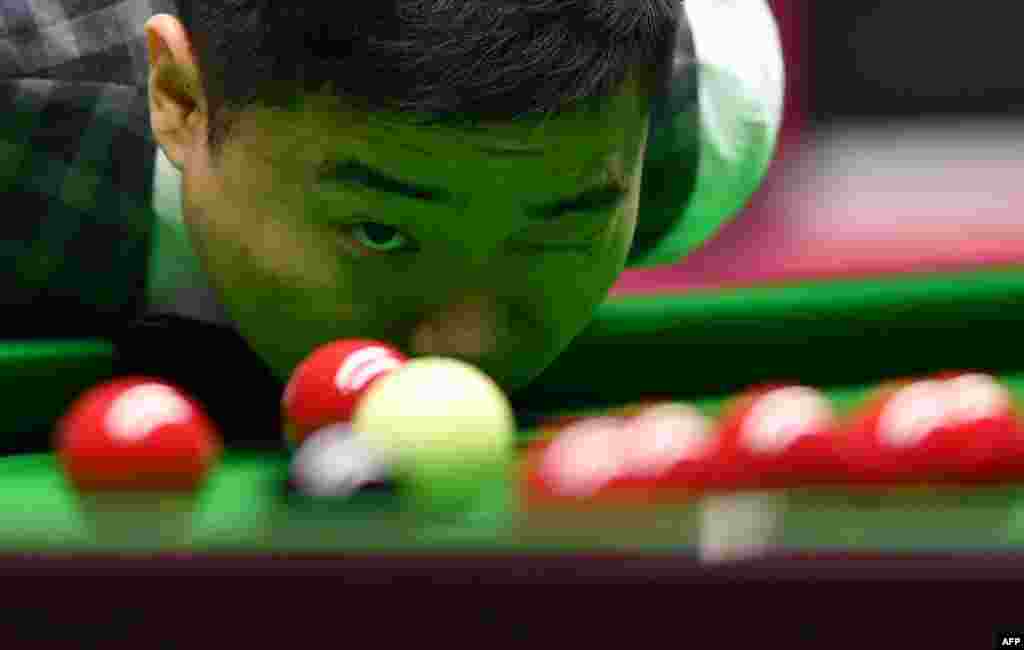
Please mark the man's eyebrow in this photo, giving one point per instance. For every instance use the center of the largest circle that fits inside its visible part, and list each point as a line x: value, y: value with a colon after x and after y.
x: 596, y: 199
x: 351, y: 171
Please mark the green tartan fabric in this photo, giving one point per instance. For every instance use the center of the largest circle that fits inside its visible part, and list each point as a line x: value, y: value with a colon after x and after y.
x: 77, y: 40
x: 76, y: 165
x: 76, y: 175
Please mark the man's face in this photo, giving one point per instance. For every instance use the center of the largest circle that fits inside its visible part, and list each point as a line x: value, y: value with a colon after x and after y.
x: 460, y: 243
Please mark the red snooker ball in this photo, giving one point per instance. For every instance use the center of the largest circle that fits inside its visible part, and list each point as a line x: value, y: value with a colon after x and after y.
x: 885, y: 440
x: 136, y: 434
x: 776, y: 436
x: 327, y: 386
x: 980, y: 436
x: 950, y: 427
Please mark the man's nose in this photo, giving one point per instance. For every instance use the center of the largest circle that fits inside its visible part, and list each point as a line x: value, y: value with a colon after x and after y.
x: 466, y: 328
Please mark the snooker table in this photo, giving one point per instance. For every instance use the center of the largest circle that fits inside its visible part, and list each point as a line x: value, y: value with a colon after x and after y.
x: 841, y: 335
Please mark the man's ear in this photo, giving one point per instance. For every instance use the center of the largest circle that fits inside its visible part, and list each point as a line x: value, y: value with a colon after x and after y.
x: 177, y: 103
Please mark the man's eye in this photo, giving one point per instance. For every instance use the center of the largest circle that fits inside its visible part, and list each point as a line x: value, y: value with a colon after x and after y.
x: 377, y: 237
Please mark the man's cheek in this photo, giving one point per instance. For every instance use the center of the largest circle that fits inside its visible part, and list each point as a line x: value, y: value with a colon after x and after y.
x: 295, y: 257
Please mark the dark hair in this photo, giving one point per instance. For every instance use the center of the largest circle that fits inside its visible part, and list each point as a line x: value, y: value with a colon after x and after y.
x: 458, y: 61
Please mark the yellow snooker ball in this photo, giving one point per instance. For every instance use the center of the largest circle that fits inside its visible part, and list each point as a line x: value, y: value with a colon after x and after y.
x: 437, y: 417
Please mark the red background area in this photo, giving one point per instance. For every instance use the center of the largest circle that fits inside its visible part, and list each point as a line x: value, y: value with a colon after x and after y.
x: 860, y: 199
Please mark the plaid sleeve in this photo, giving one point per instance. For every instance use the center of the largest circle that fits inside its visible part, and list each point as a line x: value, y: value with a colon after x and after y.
x: 76, y: 174
x: 77, y: 40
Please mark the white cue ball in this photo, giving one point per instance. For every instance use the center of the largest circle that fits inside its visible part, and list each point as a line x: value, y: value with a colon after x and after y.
x: 436, y: 414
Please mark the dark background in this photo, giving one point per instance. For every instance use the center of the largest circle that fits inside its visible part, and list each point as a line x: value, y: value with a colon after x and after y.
x: 905, y: 58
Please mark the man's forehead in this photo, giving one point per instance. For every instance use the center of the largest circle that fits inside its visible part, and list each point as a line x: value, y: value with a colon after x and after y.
x: 532, y: 131
x: 589, y: 155
x: 586, y: 138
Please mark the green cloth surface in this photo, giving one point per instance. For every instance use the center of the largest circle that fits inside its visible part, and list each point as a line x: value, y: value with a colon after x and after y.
x: 39, y: 379
x: 240, y: 510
